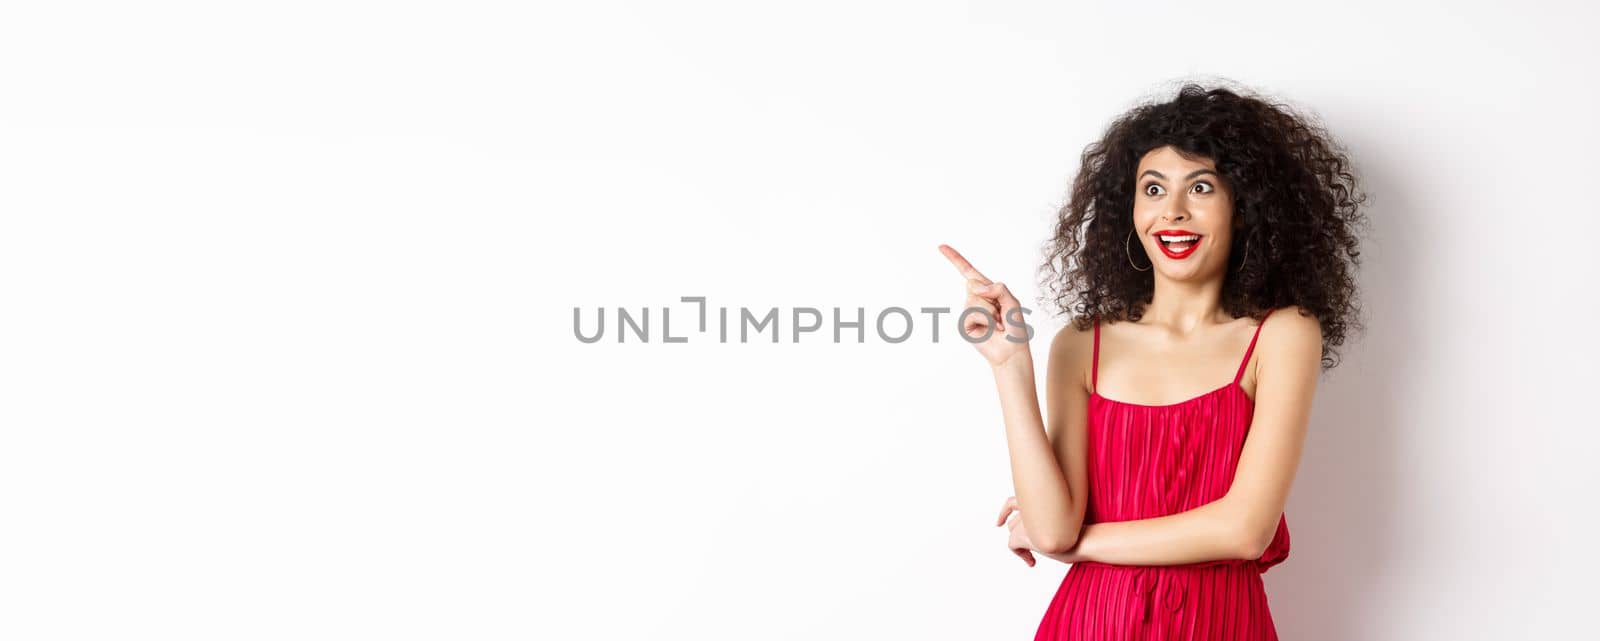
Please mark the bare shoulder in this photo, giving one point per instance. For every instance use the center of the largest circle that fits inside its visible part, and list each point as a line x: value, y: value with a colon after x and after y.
x: 1291, y: 324
x: 1071, y: 351
x: 1290, y: 335
x: 1071, y: 342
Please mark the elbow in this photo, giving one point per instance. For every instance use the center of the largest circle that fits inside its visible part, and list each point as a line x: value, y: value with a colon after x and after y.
x: 1057, y: 544
x: 1251, y: 543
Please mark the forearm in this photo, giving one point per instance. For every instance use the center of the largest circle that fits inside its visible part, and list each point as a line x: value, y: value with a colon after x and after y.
x: 1210, y: 532
x: 1037, y: 476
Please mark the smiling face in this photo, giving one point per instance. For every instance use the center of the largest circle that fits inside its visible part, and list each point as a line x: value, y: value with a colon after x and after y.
x: 1181, y: 197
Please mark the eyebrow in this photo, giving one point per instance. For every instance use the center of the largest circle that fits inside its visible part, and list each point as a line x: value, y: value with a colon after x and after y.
x: 1191, y: 175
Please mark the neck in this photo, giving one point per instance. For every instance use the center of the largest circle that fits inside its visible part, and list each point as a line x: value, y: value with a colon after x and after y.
x: 1183, y: 307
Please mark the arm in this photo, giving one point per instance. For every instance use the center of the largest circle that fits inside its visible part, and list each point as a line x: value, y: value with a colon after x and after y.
x: 1048, y: 470
x: 1240, y: 525
x: 1052, y: 493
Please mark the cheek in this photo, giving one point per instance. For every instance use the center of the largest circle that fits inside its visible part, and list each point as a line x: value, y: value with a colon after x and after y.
x: 1221, y: 217
x: 1144, y: 216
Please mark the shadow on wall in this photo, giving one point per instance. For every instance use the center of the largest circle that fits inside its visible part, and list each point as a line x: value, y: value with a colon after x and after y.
x: 1343, y: 525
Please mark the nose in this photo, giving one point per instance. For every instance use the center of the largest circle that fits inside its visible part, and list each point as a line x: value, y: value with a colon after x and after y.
x: 1177, y: 209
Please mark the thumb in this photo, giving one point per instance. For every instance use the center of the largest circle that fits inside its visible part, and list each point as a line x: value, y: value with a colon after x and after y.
x: 1014, y: 315
x: 1002, y: 295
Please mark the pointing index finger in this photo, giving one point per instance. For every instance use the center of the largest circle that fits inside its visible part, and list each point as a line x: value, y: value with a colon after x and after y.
x: 961, y: 264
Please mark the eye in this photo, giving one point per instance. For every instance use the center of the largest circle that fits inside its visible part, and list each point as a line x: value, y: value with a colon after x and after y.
x: 1208, y: 188
x: 1152, y: 190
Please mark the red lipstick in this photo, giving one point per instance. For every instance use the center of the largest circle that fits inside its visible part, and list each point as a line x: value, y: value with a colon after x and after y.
x: 1173, y: 251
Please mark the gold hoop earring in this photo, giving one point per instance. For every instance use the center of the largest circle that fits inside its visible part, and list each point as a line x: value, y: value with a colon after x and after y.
x: 1129, y: 251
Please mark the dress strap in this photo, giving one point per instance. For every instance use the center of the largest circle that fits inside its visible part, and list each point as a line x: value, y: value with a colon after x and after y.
x: 1237, y: 377
x: 1094, y: 371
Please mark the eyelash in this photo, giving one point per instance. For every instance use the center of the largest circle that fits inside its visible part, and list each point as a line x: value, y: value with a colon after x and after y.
x: 1146, y: 189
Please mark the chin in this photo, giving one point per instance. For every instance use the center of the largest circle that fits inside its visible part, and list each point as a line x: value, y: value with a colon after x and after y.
x: 1186, y: 273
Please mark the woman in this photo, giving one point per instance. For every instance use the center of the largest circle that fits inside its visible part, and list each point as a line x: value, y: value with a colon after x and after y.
x: 1191, y: 222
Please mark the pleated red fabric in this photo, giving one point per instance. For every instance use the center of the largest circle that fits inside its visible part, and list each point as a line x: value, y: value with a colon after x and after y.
x: 1146, y: 461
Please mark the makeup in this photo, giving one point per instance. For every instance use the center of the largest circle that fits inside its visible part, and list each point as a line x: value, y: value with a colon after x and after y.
x: 1186, y: 243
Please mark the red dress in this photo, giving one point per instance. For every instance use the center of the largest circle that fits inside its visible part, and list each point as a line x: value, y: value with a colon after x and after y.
x: 1146, y: 461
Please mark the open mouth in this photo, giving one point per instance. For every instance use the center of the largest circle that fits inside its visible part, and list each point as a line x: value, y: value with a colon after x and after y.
x: 1178, y: 245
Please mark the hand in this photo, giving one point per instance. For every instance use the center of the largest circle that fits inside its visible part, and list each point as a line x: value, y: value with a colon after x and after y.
x: 1000, y: 335
x: 1018, y: 542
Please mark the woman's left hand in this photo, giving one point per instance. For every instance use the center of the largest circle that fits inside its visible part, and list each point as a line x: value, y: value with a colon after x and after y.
x: 1018, y: 541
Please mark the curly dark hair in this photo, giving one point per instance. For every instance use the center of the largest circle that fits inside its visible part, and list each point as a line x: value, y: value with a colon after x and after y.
x: 1296, y: 206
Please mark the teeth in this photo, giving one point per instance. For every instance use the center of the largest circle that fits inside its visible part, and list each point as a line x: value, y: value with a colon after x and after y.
x: 1176, y: 239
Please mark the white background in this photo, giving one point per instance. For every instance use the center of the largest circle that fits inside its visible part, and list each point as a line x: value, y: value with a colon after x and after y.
x: 286, y: 342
